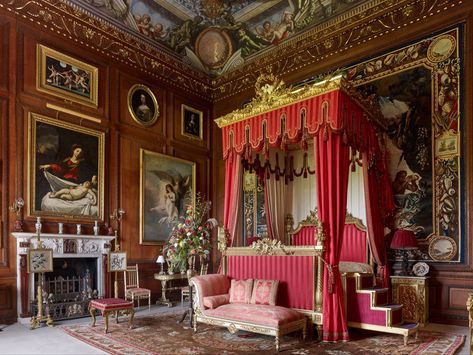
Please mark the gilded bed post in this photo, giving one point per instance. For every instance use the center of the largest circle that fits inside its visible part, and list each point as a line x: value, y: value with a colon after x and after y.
x: 289, y: 224
x: 222, y: 239
x: 320, y: 266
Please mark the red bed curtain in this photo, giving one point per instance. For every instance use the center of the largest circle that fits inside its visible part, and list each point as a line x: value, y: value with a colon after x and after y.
x: 379, y: 202
x: 232, y: 194
x: 332, y: 167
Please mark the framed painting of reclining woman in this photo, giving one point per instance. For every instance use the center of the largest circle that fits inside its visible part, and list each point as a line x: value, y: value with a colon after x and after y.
x: 65, y: 169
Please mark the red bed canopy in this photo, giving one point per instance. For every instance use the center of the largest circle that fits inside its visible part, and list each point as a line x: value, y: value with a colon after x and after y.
x: 334, y: 115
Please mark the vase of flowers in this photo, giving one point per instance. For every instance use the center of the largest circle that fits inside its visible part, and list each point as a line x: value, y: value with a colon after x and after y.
x: 190, y: 237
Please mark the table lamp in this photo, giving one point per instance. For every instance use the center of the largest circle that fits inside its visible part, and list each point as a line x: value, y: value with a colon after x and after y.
x: 404, y: 240
x: 160, y: 260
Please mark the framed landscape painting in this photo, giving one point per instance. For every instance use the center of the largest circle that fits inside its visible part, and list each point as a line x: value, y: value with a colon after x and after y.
x: 65, y: 170
x: 167, y: 187
x: 66, y: 77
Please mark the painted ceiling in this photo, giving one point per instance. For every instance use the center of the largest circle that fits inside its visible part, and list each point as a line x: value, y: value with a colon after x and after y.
x: 216, y: 36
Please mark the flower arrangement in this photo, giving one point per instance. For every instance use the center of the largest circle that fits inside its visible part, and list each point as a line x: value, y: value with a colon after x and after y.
x: 190, y: 236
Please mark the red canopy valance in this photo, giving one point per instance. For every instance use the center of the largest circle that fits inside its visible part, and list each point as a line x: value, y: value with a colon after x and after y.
x: 294, y: 117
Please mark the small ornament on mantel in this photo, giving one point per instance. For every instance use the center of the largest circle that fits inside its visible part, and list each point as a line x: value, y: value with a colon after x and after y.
x: 38, y: 225
x: 60, y: 228
x: 96, y: 228
x: 79, y: 227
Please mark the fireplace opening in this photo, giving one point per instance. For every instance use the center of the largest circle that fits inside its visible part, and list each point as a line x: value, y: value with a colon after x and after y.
x: 69, y: 288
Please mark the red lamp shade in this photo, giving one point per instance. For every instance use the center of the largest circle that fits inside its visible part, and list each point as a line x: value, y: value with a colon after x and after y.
x: 404, y: 239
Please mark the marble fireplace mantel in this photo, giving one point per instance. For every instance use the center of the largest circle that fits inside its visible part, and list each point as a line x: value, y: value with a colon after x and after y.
x: 63, y: 246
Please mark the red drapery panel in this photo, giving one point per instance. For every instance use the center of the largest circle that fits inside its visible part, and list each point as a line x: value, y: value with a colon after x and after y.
x: 232, y: 193
x: 374, y: 220
x: 332, y: 168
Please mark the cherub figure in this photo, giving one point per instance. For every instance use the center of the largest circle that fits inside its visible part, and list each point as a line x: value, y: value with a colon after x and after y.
x: 144, y: 24
x: 77, y: 192
x: 267, y: 31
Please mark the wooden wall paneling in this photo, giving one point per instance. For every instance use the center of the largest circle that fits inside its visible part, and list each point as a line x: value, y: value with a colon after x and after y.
x: 3, y: 183
x: 6, y: 297
x: 4, y: 55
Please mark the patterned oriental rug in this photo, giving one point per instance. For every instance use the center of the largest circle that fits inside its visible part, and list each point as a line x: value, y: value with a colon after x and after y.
x: 161, y: 334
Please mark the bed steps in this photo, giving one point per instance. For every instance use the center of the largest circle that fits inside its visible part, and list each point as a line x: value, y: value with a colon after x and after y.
x: 368, y: 307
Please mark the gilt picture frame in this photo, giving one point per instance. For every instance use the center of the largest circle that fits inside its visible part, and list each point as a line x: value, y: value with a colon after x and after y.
x: 65, y: 170
x: 167, y: 187
x: 65, y: 77
x: 192, y: 123
x: 39, y: 260
x: 142, y: 105
x: 117, y: 261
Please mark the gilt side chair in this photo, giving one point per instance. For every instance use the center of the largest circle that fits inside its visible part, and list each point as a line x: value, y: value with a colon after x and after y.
x: 133, y: 291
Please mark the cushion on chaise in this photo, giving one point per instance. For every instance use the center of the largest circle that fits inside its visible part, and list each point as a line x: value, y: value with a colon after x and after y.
x: 216, y: 301
x: 255, y: 314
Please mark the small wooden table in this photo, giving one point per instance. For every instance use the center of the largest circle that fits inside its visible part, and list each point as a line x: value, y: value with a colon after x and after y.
x: 109, y: 305
x: 165, y: 278
x: 413, y: 293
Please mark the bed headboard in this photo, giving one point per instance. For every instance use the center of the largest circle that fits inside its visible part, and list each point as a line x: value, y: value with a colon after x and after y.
x: 306, y: 231
x: 355, y: 246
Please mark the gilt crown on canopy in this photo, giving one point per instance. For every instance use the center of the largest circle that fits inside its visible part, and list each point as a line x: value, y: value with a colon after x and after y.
x: 279, y: 115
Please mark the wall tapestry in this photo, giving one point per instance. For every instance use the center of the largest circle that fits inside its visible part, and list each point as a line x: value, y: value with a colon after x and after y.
x: 167, y: 187
x: 418, y: 90
x: 66, y: 169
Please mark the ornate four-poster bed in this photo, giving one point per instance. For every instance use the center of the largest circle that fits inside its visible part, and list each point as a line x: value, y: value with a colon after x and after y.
x: 336, y: 118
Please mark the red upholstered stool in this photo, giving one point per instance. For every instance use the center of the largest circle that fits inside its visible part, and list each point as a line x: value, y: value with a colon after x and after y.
x: 109, y: 305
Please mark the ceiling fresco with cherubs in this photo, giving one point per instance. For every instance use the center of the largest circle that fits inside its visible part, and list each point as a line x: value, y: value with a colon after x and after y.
x: 216, y: 36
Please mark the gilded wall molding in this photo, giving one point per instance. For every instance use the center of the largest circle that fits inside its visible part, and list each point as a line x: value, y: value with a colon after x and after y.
x: 363, y: 24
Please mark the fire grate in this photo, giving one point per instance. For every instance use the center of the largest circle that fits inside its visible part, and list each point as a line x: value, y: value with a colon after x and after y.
x: 66, y: 298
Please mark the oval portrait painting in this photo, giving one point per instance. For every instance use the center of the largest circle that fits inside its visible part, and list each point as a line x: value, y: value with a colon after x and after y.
x: 142, y: 105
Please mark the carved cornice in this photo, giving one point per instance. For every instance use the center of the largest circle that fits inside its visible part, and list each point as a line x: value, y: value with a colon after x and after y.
x: 363, y: 24
x: 66, y: 19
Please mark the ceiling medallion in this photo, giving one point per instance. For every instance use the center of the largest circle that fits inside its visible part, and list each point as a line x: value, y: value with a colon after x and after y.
x: 214, y: 47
